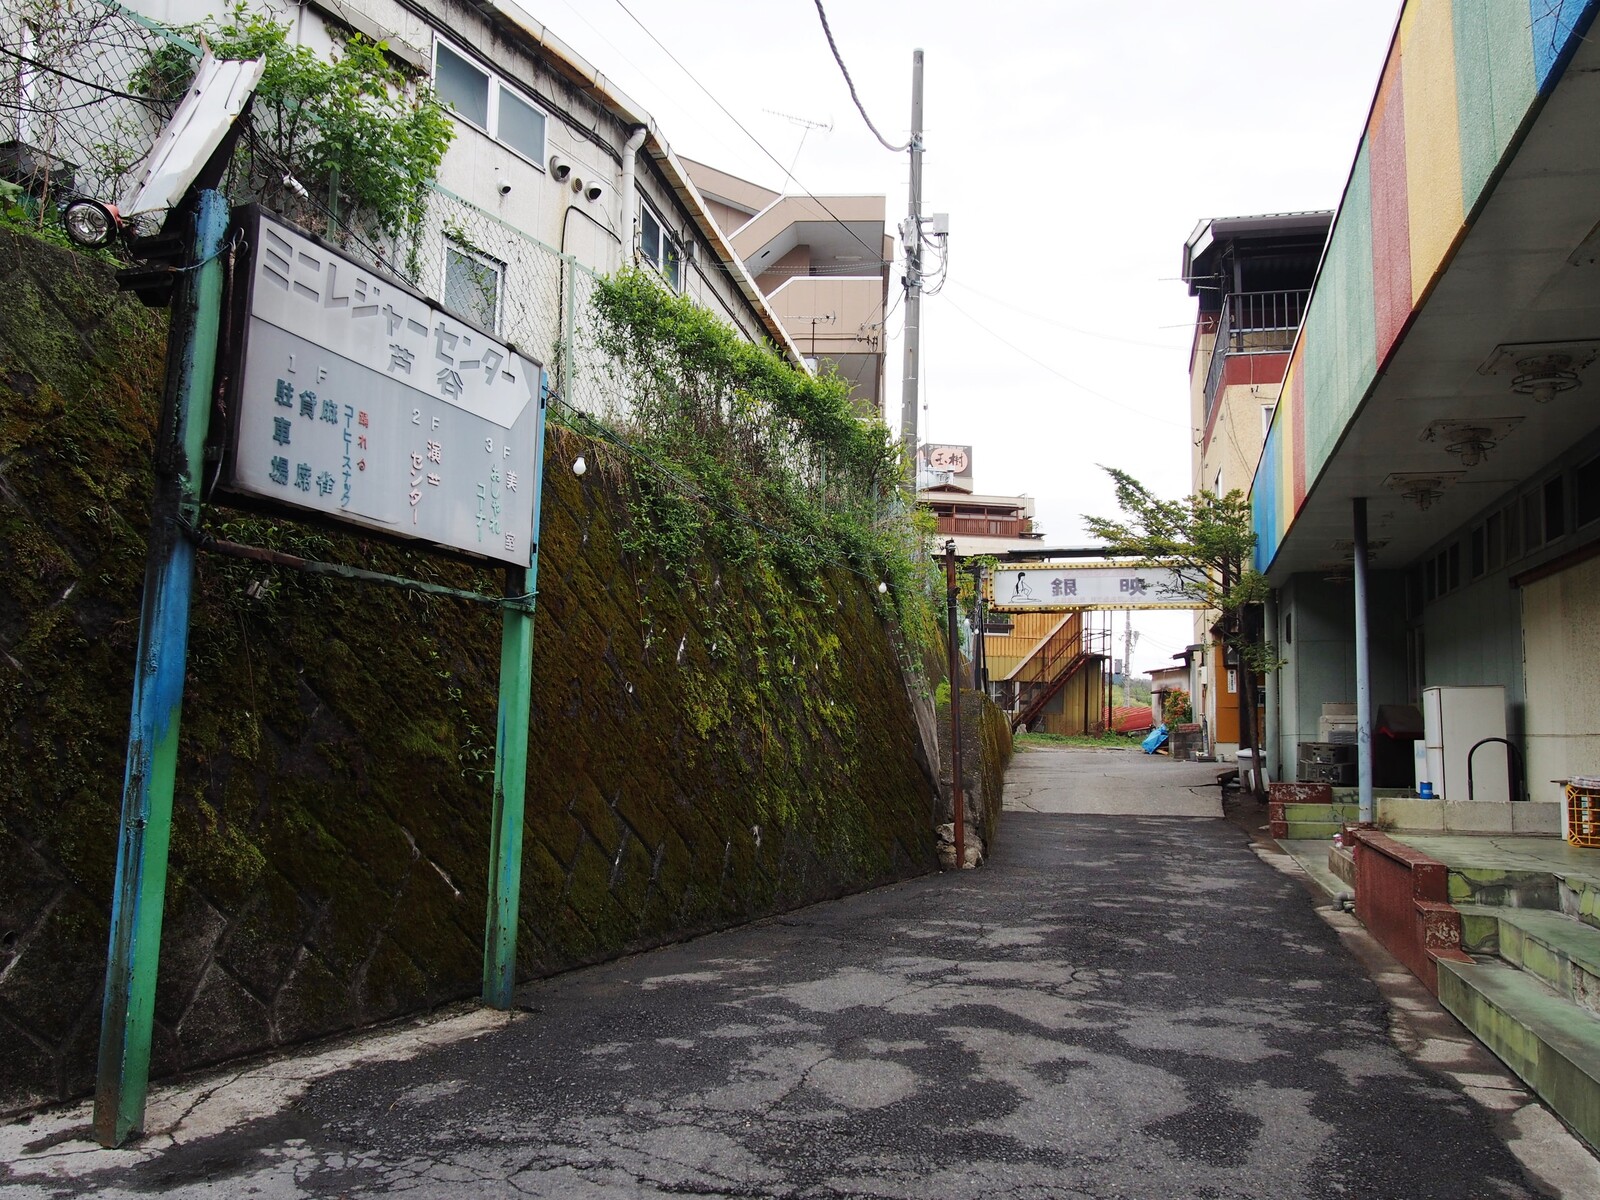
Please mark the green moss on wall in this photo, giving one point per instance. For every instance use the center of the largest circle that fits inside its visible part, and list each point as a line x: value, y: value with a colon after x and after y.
x: 704, y: 750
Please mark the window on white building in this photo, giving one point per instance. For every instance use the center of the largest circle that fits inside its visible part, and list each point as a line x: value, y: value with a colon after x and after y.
x: 660, y: 249
x: 487, y: 103
x: 1266, y: 417
x: 473, y: 285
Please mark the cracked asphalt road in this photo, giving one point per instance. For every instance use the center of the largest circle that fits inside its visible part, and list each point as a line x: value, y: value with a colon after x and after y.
x: 1113, y: 1007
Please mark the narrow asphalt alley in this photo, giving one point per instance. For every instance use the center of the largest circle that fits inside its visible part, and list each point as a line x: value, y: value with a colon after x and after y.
x: 1129, y: 1005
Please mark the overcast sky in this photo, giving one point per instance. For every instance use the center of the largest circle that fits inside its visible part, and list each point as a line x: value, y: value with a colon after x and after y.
x: 1075, y: 146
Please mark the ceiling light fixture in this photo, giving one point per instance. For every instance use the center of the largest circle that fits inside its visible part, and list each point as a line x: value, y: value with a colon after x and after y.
x: 1472, y: 445
x: 1545, y: 375
x: 1423, y: 492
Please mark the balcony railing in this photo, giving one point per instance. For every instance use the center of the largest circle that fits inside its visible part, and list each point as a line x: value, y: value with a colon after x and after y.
x: 1261, y: 322
x: 1254, y: 323
x: 985, y: 526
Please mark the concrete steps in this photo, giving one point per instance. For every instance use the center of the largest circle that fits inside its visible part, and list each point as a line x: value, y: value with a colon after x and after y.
x: 1532, y: 1029
x: 1562, y: 953
x: 1531, y: 991
x: 1311, y: 822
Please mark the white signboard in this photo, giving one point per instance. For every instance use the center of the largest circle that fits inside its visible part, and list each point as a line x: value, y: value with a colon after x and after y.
x: 1057, y: 587
x: 360, y: 401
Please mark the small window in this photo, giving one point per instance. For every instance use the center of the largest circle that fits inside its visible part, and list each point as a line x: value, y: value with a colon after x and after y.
x: 1513, y: 532
x: 521, y: 126
x: 1430, y: 580
x: 1266, y: 417
x: 488, y: 103
x: 1586, y: 482
x: 1532, y: 522
x: 1453, y: 571
x: 473, y: 283
x: 1476, y: 554
x: 462, y: 86
x: 1494, y: 538
x: 659, y: 248
x: 1555, y: 509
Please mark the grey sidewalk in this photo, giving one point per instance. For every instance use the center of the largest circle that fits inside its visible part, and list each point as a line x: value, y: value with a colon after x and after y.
x: 1114, y: 1007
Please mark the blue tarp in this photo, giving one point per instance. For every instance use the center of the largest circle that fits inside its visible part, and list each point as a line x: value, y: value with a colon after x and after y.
x: 1155, y: 739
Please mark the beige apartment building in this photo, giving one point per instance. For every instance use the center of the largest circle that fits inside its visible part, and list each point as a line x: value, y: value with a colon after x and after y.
x: 1251, y: 276
x: 822, y: 262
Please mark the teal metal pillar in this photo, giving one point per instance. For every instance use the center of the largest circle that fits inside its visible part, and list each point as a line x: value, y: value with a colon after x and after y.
x: 146, y: 824
x: 511, y: 753
x: 1363, y: 663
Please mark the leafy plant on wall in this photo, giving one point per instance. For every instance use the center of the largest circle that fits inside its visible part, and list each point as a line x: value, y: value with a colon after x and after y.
x: 355, y: 134
x: 750, y: 456
x: 1176, y: 708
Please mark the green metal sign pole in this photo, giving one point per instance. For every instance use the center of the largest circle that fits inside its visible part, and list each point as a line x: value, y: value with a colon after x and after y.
x: 146, y: 827
x: 511, y: 756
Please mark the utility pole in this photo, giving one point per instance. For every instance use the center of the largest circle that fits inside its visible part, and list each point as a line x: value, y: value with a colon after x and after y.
x: 911, y: 235
x: 953, y: 643
x: 1127, y: 658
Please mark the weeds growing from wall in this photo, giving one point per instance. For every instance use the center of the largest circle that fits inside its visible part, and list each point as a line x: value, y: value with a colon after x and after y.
x: 736, y: 451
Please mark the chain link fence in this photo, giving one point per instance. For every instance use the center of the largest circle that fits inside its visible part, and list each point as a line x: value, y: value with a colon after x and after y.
x: 72, y: 121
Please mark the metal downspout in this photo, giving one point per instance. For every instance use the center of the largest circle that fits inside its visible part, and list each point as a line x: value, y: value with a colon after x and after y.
x: 1269, y: 736
x: 630, y: 153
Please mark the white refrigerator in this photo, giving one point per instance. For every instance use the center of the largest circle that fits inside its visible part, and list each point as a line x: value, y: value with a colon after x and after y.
x: 1454, y: 719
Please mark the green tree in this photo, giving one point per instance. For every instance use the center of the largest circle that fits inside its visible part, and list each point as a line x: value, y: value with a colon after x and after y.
x: 1207, y: 542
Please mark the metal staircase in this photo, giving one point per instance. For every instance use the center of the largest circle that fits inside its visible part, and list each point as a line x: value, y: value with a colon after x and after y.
x: 1067, y: 651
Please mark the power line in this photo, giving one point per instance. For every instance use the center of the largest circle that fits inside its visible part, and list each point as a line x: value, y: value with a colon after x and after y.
x: 851, y: 84
x: 875, y: 251
x: 1082, y: 387
x: 1108, y: 337
x: 99, y: 87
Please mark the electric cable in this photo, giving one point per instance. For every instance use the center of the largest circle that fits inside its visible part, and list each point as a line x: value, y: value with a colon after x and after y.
x: 1083, y: 387
x: 837, y: 220
x: 1109, y: 337
x: 99, y: 87
x: 851, y: 84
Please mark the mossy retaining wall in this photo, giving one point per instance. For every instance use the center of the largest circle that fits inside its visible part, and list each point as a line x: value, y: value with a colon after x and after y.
x: 705, y: 750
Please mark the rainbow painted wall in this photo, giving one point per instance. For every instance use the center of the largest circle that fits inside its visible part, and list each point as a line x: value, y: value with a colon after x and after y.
x: 1460, y: 78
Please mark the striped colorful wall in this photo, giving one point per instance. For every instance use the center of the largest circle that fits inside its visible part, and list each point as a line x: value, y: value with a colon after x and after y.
x: 1460, y: 78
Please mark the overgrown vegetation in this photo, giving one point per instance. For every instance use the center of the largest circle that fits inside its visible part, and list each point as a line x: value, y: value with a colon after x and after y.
x: 1207, y: 542
x: 1088, y: 741
x: 1176, y: 708
x: 737, y: 452
x: 355, y: 132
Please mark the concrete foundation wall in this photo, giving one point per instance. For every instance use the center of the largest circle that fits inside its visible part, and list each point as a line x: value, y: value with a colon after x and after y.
x: 1561, y: 616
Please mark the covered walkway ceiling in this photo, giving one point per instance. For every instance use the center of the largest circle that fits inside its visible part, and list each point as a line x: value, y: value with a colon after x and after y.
x: 1524, y: 283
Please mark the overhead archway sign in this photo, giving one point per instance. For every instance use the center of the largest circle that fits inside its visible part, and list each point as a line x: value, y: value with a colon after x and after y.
x: 1064, y: 587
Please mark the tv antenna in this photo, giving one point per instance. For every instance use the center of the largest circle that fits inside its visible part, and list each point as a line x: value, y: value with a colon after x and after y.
x: 805, y: 123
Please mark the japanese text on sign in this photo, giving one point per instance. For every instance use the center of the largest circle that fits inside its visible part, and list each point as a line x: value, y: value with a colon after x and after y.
x: 1053, y: 587
x: 362, y: 402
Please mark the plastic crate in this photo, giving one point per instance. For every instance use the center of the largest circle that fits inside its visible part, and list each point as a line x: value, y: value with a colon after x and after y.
x: 1583, y: 811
